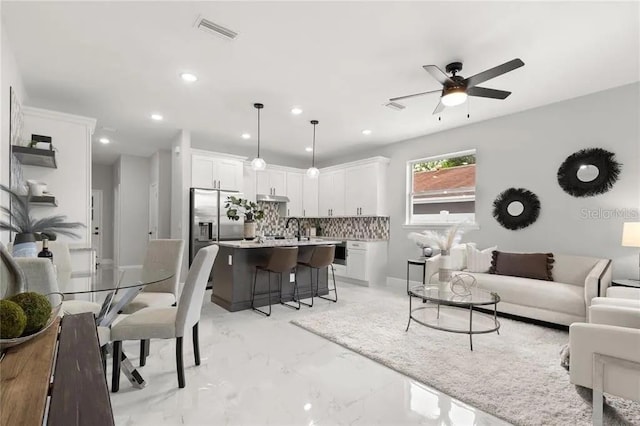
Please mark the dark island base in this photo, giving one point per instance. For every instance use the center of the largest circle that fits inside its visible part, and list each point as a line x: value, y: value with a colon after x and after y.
x: 233, y: 273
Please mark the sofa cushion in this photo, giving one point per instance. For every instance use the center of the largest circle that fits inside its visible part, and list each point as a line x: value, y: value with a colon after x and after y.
x: 527, y: 265
x: 479, y: 260
x: 573, y: 269
x: 550, y: 295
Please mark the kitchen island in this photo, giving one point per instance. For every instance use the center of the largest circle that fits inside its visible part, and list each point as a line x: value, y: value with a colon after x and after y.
x: 234, y: 269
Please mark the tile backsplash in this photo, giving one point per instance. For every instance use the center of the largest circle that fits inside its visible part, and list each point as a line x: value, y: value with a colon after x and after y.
x: 344, y: 227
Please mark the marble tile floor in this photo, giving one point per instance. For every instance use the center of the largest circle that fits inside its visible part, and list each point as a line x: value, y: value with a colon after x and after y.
x: 266, y: 371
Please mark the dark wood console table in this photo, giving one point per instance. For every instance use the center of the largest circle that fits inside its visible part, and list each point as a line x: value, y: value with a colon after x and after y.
x: 77, y: 394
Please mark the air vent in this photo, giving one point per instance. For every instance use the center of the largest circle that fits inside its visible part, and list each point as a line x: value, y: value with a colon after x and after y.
x: 213, y: 28
x: 395, y: 105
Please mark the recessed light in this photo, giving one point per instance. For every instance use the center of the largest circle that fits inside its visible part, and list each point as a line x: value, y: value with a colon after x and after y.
x: 366, y: 132
x: 156, y: 117
x: 104, y: 140
x: 246, y: 136
x: 188, y: 77
x: 296, y: 110
x: 308, y: 149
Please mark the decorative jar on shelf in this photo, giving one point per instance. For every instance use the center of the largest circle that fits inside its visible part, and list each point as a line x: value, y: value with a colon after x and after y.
x: 24, y: 245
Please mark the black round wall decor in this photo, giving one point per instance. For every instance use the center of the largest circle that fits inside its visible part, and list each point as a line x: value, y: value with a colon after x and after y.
x: 520, y: 199
x: 599, y: 166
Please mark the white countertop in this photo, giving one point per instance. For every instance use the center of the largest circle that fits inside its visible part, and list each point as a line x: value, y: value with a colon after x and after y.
x: 369, y: 240
x: 277, y: 243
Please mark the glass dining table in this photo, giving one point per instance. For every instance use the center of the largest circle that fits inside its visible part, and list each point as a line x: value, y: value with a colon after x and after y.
x: 112, y: 290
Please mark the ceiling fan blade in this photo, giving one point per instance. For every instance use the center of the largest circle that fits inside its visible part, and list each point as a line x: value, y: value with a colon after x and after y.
x: 483, y: 92
x: 439, y: 108
x: 493, y: 72
x: 438, y: 74
x: 399, y: 98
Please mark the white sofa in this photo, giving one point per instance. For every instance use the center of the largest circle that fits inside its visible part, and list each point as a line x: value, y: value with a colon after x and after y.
x: 577, y: 280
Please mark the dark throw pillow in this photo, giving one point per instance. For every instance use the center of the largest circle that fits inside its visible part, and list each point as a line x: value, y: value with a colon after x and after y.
x: 526, y: 265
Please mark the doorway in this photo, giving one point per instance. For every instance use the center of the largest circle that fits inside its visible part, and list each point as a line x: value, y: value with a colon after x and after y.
x: 96, y: 223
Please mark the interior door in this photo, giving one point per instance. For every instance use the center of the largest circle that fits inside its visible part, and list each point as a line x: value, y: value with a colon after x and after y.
x: 96, y: 223
x: 153, y: 211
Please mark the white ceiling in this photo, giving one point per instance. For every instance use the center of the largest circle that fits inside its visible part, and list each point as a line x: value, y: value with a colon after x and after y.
x: 119, y: 62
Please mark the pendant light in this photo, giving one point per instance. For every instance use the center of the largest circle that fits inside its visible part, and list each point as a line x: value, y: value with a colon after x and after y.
x: 258, y: 163
x: 312, y: 171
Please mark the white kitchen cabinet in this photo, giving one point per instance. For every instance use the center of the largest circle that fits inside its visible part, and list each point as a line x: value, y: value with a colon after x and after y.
x: 294, y: 193
x: 357, y: 264
x: 249, y: 183
x: 271, y: 182
x: 362, y: 193
x: 366, y: 263
x: 208, y: 171
x: 331, y: 193
x: 309, y: 196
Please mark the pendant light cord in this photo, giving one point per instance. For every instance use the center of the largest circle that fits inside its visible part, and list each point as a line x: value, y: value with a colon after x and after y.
x: 258, y: 132
x: 313, y: 156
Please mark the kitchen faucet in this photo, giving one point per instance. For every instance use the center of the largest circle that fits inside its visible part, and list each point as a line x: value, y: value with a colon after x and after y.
x: 298, y: 222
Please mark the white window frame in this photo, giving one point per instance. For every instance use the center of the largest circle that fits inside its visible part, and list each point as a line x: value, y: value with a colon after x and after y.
x: 435, y: 219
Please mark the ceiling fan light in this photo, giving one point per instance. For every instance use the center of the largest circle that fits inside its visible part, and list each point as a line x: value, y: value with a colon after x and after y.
x: 454, y: 98
x: 313, y: 172
x: 258, y: 164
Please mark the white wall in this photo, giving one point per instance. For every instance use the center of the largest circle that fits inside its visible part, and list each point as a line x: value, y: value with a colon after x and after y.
x: 131, y: 175
x: 180, y: 184
x: 102, y: 178
x: 71, y: 181
x: 9, y: 77
x: 161, y: 174
x: 525, y: 150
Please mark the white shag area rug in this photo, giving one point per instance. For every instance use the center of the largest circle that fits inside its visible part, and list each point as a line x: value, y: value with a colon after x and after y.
x: 515, y: 376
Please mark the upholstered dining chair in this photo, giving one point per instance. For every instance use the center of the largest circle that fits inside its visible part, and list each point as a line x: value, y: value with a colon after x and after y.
x: 168, y: 322
x: 161, y: 254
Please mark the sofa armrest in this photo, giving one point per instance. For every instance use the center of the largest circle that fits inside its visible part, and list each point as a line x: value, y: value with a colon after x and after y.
x: 621, y: 316
x: 585, y: 340
x: 597, y: 281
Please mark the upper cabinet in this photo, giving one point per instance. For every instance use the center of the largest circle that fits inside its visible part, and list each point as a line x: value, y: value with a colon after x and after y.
x: 355, y: 189
x: 214, y: 172
x: 271, y: 182
x: 309, y: 196
x: 364, y: 192
x: 294, y: 193
x: 331, y: 192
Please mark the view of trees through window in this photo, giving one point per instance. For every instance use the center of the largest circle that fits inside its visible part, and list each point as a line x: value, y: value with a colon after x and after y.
x: 445, y: 163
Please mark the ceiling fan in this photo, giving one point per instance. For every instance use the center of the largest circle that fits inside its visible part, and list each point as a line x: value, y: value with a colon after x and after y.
x: 455, y: 88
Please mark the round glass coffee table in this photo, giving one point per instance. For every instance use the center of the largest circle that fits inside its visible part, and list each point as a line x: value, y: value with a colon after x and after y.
x: 436, y: 296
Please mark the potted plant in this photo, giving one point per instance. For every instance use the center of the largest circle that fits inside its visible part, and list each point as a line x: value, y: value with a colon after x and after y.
x: 28, y: 229
x: 236, y: 206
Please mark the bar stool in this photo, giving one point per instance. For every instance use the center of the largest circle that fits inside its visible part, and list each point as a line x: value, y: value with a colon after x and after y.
x: 282, y: 259
x: 322, y: 257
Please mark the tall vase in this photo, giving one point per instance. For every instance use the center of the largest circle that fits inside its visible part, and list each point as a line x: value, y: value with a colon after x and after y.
x: 444, y: 273
x: 24, y: 245
x: 249, y: 230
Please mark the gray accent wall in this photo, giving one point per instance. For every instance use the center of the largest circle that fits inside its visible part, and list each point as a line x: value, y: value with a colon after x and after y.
x: 525, y: 150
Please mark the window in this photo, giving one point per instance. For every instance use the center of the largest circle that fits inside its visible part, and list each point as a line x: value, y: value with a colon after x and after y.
x: 442, y: 188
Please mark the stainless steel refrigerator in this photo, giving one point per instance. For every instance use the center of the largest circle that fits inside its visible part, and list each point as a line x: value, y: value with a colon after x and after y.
x: 208, y: 222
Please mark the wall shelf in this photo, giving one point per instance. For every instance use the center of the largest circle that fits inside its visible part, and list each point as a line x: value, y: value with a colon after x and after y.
x: 44, y: 200
x: 34, y: 156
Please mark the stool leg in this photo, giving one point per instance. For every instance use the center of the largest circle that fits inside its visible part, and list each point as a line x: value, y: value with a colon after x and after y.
x: 295, y: 290
x: 143, y: 352
x: 335, y: 289
x: 253, y: 294
x: 310, y: 287
x: 115, y: 374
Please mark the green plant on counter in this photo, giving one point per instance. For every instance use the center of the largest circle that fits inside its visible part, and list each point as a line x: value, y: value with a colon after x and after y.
x: 236, y: 206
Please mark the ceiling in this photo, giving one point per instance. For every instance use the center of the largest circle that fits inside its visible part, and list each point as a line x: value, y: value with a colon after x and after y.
x: 119, y: 62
